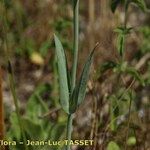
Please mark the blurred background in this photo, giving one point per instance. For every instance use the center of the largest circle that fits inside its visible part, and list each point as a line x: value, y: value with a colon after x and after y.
x: 30, y: 28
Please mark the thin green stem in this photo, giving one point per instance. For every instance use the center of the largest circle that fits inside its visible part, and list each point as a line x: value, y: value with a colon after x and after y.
x: 126, y: 13
x: 75, y: 62
x: 13, y: 91
x: 125, y: 26
x: 69, y: 130
x: 130, y: 103
x: 76, y: 41
x: 128, y: 126
x: 10, y: 75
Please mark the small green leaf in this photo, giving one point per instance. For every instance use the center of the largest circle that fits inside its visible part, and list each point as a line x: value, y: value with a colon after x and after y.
x: 62, y: 72
x: 108, y: 65
x: 122, y: 66
x: 57, y: 131
x: 113, y: 146
x: 141, y: 4
x: 121, y: 41
x: 36, y: 105
x: 114, y: 112
x: 14, y: 131
x: 31, y: 129
x: 80, y: 90
x: 123, y: 30
x: 133, y: 72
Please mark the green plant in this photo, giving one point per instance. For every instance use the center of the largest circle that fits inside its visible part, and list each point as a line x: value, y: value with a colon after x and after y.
x: 34, y: 121
x: 71, y: 93
x: 121, y: 68
x: 145, y: 46
x: 10, y: 76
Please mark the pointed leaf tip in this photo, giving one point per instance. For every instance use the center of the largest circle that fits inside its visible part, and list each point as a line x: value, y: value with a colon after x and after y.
x: 80, y: 90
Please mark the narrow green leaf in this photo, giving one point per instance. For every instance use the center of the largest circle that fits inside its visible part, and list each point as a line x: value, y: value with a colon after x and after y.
x: 31, y: 129
x: 84, y: 78
x: 113, y: 146
x: 80, y: 90
x: 135, y: 74
x: 68, y: 75
x: 123, y: 30
x: 35, y: 105
x: 62, y: 73
x: 121, y: 40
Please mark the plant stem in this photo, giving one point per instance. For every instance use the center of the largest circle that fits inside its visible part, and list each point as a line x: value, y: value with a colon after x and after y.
x: 10, y: 76
x: 13, y: 91
x: 69, y: 130
x: 128, y: 126
x: 125, y: 26
x: 75, y: 61
x: 76, y: 41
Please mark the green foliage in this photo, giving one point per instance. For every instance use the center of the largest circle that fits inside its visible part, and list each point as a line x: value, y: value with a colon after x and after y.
x: 121, y: 42
x: 107, y: 65
x: 61, y: 27
x: 119, y: 103
x: 80, y: 90
x: 126, y: 69
x: 36, y: 106
x: 122, y: 32
x: 113, y: 146
x: 134, y: 73
x: 145, y: 45
x: 62, y: 72
x: 123, y: 68
x: 14, y: 127
x: 61, y: 24
x: 72, y: 101
x: 64, y: 78
x: 32, y: 123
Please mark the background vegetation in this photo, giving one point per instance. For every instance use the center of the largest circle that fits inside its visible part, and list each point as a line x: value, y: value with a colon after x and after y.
x: 116, y: 109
